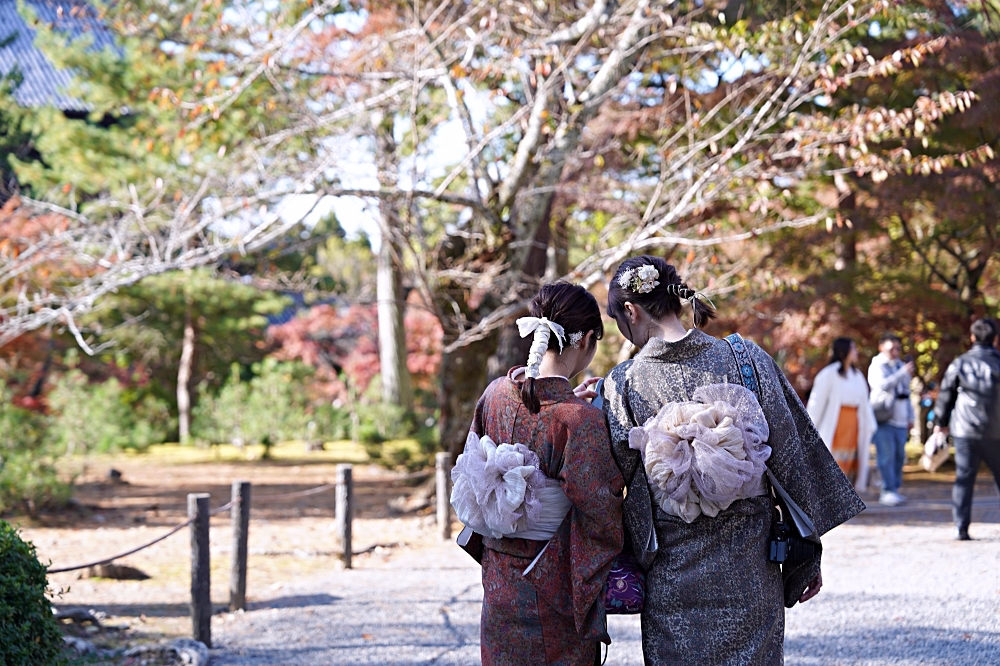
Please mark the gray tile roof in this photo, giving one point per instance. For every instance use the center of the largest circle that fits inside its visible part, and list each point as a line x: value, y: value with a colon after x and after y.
x: 44, y: 84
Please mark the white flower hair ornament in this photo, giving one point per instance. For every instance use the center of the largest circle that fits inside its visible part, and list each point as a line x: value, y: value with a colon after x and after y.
x: 543, y: 329
x: 575, y: 339
x: 641, y: 280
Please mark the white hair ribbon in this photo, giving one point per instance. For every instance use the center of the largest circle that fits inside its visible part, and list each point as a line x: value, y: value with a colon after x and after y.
x: 542, y: 328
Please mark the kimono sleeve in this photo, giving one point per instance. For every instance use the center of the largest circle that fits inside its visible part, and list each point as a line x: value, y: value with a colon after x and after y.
x: 638, y: 506
x: 592, y: 534
x: 593, y: 483
x: 620, y: 421
x: 799, y: 458
x: 804, y: 467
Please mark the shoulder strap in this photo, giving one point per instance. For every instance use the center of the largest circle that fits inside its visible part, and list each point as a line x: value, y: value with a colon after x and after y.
x: 748, y: 371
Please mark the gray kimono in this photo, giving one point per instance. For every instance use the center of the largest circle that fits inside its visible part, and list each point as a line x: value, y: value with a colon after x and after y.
x: 712, y: 596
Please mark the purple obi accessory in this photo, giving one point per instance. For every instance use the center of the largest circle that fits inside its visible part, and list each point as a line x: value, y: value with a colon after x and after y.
x: 625, y: 588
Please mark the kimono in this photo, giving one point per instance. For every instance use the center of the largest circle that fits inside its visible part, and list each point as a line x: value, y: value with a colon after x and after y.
x: 712, y: 596
x: 554, y: 614
x: 831, y: 394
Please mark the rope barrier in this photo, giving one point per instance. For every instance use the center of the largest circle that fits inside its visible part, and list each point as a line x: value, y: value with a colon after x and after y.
x: 127, y: 553
x: 225, y: 507
x: 301, y: 493
x: 175, y: 530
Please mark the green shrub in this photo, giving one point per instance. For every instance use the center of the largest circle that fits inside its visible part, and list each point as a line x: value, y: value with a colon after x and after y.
x: 379, y: 423
x: 269, y: 408
x: 330, y: 424
x: 103, y: 416
x: 29, y: 480
x: 27, y: 475
x: 392, y: 437
x: 29, y: 634
x: 218, y: 418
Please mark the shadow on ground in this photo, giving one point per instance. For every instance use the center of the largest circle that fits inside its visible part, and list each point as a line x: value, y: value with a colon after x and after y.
x: 295, y: 601
x: 929, y: 501
x: 903, y: 645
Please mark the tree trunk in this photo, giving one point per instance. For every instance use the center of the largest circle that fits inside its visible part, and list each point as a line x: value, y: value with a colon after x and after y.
x: 529, y: 189
x: 512, y: 349
x: 396, y: 387
x: 184, y: 379
x: 846, y: 241
x: 463, y: 379
x: 559, y: 248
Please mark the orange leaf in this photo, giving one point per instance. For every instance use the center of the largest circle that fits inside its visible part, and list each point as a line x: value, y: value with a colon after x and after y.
x: 187, y: 21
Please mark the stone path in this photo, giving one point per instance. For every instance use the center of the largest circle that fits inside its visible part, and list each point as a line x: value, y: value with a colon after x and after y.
x: 898, y: 590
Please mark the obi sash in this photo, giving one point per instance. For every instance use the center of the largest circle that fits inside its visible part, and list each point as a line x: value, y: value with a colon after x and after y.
x: 500, y: 491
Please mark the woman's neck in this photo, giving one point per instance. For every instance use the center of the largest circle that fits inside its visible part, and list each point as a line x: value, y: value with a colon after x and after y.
x: 554, y: 365
x: 668, y: 328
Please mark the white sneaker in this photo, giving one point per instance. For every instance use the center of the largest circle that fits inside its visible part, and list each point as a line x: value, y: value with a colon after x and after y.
x: 902, y: 498
x: 890, y: 499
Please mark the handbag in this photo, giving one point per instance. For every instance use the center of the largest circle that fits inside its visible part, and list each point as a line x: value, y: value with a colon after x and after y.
x: 936, y: 451
x: 883, y: 406
x: 625, y: 587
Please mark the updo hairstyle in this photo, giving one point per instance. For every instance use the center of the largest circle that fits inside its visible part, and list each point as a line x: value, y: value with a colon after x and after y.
x: 573, y: 308
x: 663, y: 299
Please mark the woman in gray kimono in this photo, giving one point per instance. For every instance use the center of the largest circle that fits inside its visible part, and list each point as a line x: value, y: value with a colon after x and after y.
x: 712, y: 595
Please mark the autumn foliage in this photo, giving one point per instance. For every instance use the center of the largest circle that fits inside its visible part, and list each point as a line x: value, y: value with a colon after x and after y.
x: 341, y: 343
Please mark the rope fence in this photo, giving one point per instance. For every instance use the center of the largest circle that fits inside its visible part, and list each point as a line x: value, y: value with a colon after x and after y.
x: 173, y: 531
x: 108, y: 560
x: 300, y: 493
x: 239, y: 506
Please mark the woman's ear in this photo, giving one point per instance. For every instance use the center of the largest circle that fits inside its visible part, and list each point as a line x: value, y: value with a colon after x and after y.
x: 630, y: 312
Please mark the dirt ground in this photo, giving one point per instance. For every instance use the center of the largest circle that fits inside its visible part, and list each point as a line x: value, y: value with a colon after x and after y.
x: 288, y: 539
x: 291, y: 540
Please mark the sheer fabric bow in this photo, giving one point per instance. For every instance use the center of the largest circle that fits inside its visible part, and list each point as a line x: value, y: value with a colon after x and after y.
x: 543, y: 329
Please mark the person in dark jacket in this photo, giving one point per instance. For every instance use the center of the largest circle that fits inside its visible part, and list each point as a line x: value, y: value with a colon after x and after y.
x: 968, y: 408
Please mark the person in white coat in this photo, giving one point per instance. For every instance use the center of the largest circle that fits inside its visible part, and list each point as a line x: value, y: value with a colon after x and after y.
x: 842, y: 412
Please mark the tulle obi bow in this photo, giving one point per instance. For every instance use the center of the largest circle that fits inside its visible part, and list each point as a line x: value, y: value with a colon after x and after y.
x: 703, y: 455
x: 499, y: 491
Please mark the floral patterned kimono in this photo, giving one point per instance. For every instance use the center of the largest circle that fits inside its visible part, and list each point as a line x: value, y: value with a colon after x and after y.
x: 712, y: 596
x: 554, y: 614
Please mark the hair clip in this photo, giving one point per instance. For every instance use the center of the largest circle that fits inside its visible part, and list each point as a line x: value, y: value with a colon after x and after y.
x: 575, y: 339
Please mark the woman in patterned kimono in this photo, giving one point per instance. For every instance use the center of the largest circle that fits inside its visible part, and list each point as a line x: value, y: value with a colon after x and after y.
x: 542, y: 593
x: 712, y: 595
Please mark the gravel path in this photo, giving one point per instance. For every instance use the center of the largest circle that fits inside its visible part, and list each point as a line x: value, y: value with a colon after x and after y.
x: 898, y: 590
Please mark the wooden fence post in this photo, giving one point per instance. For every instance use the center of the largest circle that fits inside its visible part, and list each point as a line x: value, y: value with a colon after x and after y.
x: 344, y: 510
x: 201, y: 588
x: 442, y: 465
x: 240, y: 513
